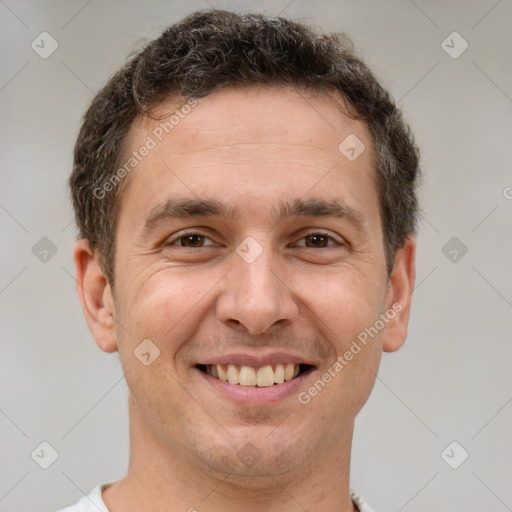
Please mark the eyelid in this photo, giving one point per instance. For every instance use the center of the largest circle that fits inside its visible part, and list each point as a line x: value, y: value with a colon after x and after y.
x: 323, y: 233
x: 302, y: 234
x: 182, y: 234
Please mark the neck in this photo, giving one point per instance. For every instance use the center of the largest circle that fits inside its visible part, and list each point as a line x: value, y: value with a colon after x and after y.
x: 158, y: 476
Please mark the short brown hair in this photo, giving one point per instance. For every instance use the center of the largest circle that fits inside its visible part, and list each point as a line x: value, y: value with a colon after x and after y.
x: 211, y: 49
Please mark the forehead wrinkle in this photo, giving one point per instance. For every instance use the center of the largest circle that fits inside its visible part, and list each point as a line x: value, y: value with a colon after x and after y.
x: 224, y: 150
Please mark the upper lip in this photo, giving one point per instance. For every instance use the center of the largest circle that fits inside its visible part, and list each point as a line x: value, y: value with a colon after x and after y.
x: 256, y: 360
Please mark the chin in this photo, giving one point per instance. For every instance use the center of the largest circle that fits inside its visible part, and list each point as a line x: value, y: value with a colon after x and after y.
x: 255, y: 452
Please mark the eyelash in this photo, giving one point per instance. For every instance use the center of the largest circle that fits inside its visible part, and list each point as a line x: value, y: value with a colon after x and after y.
x: 184, y: 235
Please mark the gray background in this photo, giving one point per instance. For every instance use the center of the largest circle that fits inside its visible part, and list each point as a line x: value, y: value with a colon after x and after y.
x: 450, y: 381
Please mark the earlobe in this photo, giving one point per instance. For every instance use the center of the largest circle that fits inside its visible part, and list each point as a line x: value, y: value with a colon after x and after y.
x: 95, y: 296
x: 399, y: 297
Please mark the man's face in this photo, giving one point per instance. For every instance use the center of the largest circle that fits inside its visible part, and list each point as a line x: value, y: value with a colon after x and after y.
x: 254, y: 289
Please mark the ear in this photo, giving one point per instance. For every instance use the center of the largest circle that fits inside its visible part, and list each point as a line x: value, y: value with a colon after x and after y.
x: 95, y: 295
x: 399, y: 296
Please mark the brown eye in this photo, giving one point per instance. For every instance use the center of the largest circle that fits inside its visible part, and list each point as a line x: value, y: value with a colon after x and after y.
x: 190, y: 240
x: 317, y: 240
x: 193, y: 240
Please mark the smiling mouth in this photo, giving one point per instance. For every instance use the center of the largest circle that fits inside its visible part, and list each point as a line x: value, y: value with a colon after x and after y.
x: 264, y: 376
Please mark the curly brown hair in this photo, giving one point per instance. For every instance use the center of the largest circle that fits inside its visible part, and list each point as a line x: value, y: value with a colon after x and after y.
x: 211, y: 49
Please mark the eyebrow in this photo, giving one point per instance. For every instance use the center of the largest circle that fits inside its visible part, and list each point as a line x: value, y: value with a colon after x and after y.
x: 184, y: 207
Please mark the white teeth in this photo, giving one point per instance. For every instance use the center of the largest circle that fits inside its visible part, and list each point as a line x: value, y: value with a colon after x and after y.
x: 248, y: 376
x: 288, y: 372
x: 223, y: 376
x: 265, y: 377
x: 279, y: 374
x: 233, y: 374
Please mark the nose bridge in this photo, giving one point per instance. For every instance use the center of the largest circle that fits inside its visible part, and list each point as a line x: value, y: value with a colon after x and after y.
x: 258, y: 278
x: 256, y: 295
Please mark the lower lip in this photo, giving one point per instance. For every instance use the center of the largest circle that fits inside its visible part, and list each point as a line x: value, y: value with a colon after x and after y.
x: 254, y: 396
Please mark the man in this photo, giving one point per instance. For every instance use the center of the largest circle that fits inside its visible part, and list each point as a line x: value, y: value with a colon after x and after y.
x: 245, y: 197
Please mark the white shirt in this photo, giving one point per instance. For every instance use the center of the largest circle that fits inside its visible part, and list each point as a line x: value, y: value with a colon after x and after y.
x: 93, y: 502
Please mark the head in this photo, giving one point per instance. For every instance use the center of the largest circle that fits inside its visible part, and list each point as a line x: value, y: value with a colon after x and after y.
x: 200, y: 170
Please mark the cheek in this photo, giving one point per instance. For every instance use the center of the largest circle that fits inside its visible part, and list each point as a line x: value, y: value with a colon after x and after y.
x: 343, y: 307
x: 166, y: 307
x: 344, y: 301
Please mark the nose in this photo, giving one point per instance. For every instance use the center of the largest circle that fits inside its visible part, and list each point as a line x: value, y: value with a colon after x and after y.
x: 256, y: 296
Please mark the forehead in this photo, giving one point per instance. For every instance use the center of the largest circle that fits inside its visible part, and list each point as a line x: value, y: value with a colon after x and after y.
x: 236, y: 115
x: 254, y: 144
